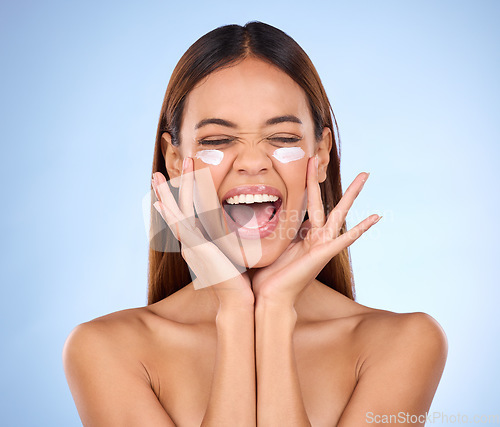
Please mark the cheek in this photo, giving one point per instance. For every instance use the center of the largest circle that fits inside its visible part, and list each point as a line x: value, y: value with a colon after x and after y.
x: 216, y: 164
x: 293, y: 175
x: 291, y: 164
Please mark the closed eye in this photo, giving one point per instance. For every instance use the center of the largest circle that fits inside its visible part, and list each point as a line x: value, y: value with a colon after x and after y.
x: 214, y: 141
x: 286, y: 140
x: 223, y: 141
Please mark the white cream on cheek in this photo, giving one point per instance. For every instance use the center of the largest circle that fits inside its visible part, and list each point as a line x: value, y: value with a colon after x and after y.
x: 288, y: 154
x: 210, y: 157
x: 283, y: 155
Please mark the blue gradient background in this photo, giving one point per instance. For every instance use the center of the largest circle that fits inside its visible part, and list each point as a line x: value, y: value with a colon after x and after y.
x: 415, y: 89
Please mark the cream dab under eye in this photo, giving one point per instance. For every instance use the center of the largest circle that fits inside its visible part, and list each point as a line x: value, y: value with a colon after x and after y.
x: 210, y: 157
x: 288, y: 154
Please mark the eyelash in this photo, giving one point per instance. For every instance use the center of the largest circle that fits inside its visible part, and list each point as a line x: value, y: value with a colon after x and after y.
x: 225, y: 141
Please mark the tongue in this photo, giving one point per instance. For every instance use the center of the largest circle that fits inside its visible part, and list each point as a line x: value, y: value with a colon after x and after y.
x: 243, y: 215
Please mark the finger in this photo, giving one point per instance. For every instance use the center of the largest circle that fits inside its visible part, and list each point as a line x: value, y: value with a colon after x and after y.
x: 205, y: 188
x: 186, y: 190
x: 323, y: 253
x: 181, y: 229
x: 207, y: 204
x: 348, y: 238
x: 338, y: 214
x: 171, y: 220
x: 165, y: 196
x: 169, y: 209
x: 315, y: 209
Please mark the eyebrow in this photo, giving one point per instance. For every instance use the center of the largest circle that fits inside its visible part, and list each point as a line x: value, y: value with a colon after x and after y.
x: 275, y: 120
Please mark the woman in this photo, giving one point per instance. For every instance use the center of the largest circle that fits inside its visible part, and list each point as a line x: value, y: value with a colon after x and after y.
x: 267, y: 332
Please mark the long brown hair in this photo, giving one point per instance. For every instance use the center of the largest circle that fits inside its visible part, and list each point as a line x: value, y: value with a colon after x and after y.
x: 225, y: 46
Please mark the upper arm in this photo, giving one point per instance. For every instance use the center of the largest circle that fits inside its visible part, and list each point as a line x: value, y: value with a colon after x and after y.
x: 399, y: 377
x: 108, y: 387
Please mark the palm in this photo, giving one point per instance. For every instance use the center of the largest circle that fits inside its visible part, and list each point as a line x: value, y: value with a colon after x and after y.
x: 206, y: 260
x: 304, y: 258
x: 297, y: 257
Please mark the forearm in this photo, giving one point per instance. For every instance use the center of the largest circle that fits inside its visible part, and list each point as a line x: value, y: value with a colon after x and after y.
x: 232, y: 398
x: 279, y: 398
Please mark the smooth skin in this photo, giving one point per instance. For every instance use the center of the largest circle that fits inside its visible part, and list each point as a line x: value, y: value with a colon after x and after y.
x: 269, y: 347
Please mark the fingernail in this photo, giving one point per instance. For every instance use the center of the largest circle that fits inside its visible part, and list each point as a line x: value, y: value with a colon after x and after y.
x: 153, y: 179
x: 157, y: 206
x: 316, y: 161
x: 367, y: 176
x: 378, y: 219
x: 185, y: 163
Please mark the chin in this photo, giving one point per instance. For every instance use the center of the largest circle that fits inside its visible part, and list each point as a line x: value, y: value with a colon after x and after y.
x: 255, y: 253
x: 265, y: 261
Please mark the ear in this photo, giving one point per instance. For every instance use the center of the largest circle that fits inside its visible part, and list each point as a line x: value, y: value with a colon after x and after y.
x: 173, y: 157
x: 323, y: 152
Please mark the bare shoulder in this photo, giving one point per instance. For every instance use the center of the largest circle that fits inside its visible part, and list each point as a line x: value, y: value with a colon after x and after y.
x: 383, y: 331
x: 400, y: 361
x: 104, y: 362
x: 408, y: 334
x: 114, y: 342
x: 114, y: 330
x: 129, y: 336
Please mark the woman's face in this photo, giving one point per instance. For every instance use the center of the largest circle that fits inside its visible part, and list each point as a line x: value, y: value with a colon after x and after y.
x: 250, y: 126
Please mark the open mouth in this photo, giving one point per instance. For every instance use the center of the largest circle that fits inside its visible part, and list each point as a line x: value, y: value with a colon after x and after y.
x: 253, y: 214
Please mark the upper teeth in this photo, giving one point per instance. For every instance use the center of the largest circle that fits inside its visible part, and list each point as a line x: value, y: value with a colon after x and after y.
x: 251, y: 198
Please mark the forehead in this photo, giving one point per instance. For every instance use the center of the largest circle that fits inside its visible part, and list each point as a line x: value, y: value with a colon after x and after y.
x: 247, y: 94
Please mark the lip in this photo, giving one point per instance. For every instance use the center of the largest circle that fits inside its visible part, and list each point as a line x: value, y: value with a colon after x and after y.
x: 253, y: 233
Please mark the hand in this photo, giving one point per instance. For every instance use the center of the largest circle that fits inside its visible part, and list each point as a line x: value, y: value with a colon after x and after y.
x: 282, y: 281
x: 211, y: 266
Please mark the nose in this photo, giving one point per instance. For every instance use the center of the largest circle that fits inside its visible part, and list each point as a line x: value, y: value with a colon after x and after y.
x: 252, y: 160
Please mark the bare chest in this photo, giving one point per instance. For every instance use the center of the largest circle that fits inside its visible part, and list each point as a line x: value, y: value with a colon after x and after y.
x: 326, y: 368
